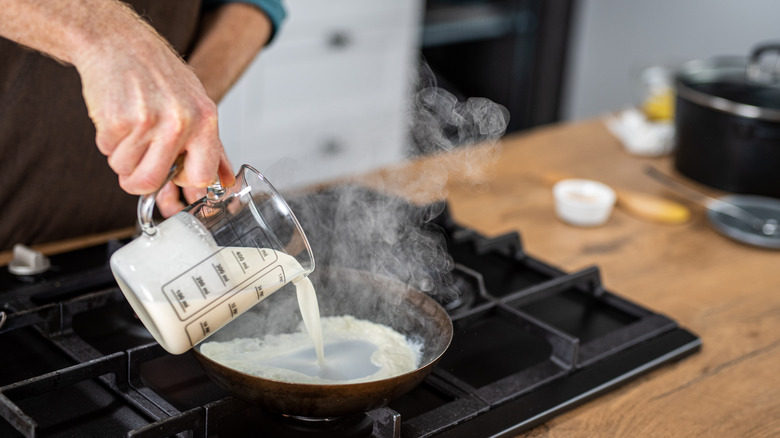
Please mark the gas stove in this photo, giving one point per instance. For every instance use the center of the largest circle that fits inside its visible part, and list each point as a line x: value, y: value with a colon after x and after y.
x: 530, y: 341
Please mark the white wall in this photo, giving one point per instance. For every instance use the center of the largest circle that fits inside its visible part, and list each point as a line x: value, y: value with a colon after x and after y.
x: 611, y: 36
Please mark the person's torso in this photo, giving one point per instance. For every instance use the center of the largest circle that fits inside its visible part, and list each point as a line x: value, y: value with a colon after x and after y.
x: 54, y: 183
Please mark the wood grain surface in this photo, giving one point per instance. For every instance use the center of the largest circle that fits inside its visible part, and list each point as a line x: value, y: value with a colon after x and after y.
x: 725, y: 292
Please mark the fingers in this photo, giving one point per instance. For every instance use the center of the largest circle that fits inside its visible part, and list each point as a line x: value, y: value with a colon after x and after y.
x: 148, y: 108
x: 150, y: 173
x: 125, y: 156
x: 167, y: 201
x: 109, y: 133
x: 154, y: 167
x: 201, y: 162
x: 225, y: 170
x: 144, y: 158
x: 192, y: 194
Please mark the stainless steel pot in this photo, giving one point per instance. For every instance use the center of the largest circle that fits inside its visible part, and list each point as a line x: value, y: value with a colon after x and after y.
x: 727, y: 121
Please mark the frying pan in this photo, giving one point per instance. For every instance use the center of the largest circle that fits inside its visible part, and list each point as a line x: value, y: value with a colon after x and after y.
x: 340, y: 291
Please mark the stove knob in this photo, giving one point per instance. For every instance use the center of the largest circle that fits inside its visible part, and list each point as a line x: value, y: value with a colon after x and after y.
x: 27, y: 261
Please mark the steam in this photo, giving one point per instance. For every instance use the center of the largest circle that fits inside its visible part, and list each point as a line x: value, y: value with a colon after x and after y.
x: 441, y: 123
x: 377, y: 232
x: 351, y: 226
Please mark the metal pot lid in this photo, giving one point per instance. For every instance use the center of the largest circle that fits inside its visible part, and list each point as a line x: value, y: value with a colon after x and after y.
x: 760, y: 206
x: 737, y: 85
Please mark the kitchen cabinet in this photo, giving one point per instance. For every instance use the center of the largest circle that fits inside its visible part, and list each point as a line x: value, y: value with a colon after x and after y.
x: 513, y: 52
x: 328, y: 98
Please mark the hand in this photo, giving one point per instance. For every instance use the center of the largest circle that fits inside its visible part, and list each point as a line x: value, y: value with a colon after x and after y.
x: 231, y: 36
x: 147, y: 105
x: 168, y: 199
x: 148, y: 108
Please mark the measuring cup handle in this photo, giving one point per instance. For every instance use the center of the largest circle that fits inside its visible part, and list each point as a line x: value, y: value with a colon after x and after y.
x: 146, y: 202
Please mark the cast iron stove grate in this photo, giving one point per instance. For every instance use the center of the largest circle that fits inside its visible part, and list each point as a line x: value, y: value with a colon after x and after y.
x: 530, y: 342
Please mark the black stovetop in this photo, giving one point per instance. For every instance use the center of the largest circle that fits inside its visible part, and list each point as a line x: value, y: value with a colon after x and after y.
x: 530, y: 342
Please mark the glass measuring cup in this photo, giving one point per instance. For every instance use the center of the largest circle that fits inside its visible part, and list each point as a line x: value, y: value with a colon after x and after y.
x: 194, y: 272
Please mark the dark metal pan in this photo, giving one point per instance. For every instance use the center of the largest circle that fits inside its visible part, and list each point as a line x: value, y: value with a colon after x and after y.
x: 340, y: 292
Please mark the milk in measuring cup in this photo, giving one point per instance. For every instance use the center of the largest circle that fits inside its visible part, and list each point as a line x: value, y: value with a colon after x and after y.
x: 183, y: 286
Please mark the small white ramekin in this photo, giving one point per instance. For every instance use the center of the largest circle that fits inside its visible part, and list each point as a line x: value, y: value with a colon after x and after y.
x: 583, y: 202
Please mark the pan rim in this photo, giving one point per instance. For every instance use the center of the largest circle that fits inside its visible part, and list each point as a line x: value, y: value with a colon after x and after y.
x: 448, y: 331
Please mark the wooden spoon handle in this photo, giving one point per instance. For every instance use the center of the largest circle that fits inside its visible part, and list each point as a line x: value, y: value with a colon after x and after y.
x: 654, y: 208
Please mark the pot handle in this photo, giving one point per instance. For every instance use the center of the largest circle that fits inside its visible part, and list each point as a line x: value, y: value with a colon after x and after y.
x: 762, y: 70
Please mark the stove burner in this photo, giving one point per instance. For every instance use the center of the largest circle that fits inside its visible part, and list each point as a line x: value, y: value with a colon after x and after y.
x: 272, y: 424
x: 465, y: 291
x: 531, y: 342
x: 111, y: 328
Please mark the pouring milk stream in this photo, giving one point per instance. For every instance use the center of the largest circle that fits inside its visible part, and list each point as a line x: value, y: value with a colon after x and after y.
x: 193, y: 273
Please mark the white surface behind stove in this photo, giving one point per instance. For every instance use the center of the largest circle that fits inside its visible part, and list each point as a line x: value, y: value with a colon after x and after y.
x: 611, y: 37
x: 329, y: 97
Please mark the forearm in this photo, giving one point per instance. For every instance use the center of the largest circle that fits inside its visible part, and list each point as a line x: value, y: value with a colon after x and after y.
x: 72, y: 31
x: 230, y: 38
x: 147, y: 105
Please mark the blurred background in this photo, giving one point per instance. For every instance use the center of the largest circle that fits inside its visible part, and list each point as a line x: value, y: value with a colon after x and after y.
x: 333, y: 94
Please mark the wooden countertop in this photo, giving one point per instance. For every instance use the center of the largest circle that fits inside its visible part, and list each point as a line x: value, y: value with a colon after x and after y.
x: 725, y: 292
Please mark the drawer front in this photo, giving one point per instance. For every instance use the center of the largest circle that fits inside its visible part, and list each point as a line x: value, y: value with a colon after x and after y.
x: 374, y: 67
x: 313, y: 19
x: 332, y: 149
x: 332, y: 88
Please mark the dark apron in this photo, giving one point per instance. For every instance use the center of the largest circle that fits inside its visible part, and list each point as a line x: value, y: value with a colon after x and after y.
x: 54, y: 183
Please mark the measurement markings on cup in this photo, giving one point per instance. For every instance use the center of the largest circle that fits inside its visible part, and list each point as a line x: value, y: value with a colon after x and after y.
x: 210, y: 291
x: 220, y: 270
x: 201, y: 284
x: 240, y: 260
